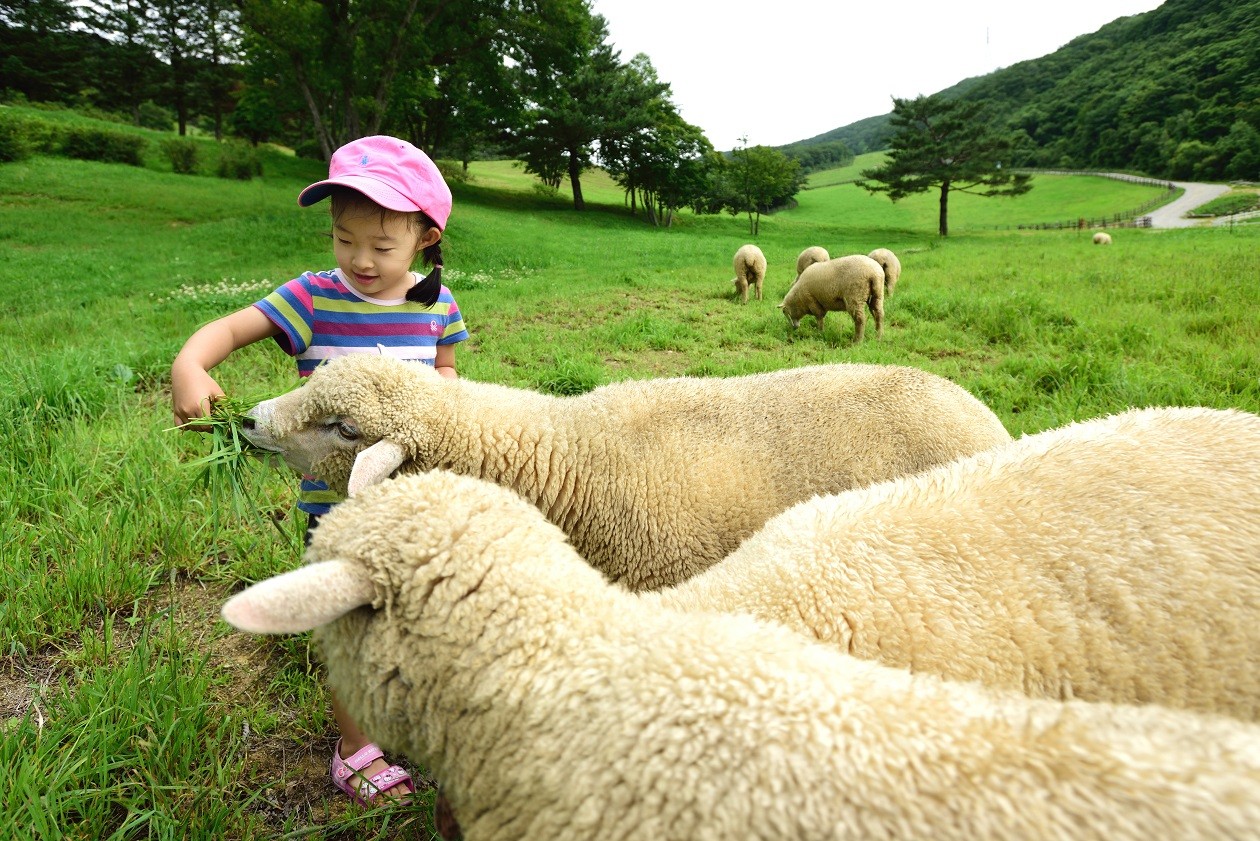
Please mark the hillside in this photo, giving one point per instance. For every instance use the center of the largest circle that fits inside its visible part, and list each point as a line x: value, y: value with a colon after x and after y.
x: 1172, y: 93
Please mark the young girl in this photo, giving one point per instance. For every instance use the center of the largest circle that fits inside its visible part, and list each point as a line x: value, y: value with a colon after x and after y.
x: 389, y: 205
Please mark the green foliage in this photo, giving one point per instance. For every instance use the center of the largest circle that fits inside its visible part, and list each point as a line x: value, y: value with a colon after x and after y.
x: 22, y: 135
x: 812, y: 157
x: 97, y: 144
x: 756, y: 180
x: 182, y: 154
x: 947, y: 145
x: 15, y: 142
x: 154, y: 116
x: 238, y: 160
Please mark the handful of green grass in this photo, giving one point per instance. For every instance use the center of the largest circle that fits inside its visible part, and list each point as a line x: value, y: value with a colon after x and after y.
x: 225, y: 469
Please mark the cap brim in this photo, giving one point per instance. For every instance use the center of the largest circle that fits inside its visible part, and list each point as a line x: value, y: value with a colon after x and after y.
x: 379, y: 192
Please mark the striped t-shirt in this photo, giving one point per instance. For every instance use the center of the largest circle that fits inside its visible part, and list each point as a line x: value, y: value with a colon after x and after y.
x: 320, y: 316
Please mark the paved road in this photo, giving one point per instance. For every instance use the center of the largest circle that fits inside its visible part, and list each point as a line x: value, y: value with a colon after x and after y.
x: 1172, y: 215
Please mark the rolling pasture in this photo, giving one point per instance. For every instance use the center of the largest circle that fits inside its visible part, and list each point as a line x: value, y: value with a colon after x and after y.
x: 128, y: 710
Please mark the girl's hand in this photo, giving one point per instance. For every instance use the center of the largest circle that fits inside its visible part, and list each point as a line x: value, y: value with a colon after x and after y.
x: 193, y: 393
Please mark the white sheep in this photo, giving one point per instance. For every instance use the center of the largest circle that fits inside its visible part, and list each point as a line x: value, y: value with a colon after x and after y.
x: 653, y: 479
x: 808, y: 257
x: 1114, y: 560
x: 1101, y: 238
x: 750, y: 270
x: 890, y: 264
x: 461, y: 629
x: 852, y: 284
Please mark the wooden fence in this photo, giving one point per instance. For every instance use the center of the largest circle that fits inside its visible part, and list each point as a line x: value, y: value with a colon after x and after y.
x: 1135, y: 218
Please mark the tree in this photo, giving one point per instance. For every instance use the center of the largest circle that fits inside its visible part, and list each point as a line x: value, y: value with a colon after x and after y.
x: 757, y: 179
x: 950, y: 145
x: 576, y: 100
x: 649, y: 149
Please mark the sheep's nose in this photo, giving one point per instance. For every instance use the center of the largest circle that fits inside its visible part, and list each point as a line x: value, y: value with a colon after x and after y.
x: 249, y: 423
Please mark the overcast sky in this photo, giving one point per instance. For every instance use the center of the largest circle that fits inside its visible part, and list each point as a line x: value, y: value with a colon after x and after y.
x: 777, y: 71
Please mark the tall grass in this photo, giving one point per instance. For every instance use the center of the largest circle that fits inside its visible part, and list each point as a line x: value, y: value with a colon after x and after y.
x: 129, y: 711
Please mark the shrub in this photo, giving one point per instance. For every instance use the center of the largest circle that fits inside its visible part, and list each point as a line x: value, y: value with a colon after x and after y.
x: 238, y: 160
x: 452, y: 171
x: 182, y: 153
x: 97, y: 144
x: 14, y: 143
x: 154, y: 116
x: 310, y: 150
x: 21, y: 137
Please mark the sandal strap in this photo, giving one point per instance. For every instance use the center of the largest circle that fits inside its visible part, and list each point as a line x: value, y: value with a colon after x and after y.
x: 361, y: 758
x: 391, y: 777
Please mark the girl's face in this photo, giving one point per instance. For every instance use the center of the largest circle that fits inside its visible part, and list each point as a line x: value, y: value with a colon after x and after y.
x: 374, y: 251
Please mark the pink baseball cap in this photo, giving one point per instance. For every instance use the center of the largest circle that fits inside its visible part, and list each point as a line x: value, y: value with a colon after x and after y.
x: 391, y: 172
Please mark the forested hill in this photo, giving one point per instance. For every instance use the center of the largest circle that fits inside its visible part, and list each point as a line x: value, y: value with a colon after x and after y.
x: 1173, y: 93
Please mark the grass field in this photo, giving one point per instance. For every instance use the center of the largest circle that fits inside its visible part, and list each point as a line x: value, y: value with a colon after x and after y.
x: 129, y: 711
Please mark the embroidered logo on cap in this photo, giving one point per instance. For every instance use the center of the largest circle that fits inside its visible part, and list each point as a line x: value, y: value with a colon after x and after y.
x: 363, y: 161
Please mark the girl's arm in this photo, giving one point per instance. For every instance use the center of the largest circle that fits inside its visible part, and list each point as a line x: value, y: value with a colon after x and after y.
x: 192, y: 387
x: 444, y: 362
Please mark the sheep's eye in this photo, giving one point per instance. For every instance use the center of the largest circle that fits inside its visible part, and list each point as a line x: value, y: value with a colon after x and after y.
x: 344, y: 429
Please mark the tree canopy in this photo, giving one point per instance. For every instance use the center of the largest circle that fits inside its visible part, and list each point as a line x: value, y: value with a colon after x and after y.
x: 949, y: 145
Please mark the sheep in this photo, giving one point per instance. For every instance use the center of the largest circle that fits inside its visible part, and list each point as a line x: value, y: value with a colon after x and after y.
x: 891, y: 266
x: 1101, y: 238
x: 808, y: 257
x: 1112, y: 560
x: 853, y: 284
x: 653, y: 480
x: 462, y: 630
x: 750, y: 270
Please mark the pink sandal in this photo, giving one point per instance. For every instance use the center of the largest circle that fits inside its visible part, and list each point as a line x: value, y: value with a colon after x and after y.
x: 364, y: 790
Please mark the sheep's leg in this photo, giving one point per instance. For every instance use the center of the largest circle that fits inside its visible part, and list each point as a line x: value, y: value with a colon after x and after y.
x: 877, y: 308
x: 759, y: 290
x: 859, y: 323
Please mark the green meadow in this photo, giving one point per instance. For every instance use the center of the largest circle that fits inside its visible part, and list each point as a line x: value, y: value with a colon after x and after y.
x: 128, y: 710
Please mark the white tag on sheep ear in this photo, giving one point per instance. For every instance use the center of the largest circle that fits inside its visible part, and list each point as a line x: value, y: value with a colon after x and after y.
x: 375, y: 464
x: 306, y: 598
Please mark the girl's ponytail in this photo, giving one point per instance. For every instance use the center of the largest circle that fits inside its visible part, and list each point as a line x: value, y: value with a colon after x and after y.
x: 426, y: 291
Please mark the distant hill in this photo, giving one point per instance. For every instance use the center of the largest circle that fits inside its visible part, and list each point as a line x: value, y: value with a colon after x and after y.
x: 1172, y: 93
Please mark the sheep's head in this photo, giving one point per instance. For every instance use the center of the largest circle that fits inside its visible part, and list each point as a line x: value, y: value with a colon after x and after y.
x: 424, y: 563
x: 355, y: 421
x: 793, y: 313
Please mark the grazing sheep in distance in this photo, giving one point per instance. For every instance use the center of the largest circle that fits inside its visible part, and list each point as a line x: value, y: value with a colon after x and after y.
x: 462, y: 630
x: 651, y: 479
x: 1101, y: 238
x: 891, y: 266
x: 853, y: 284
x: 1114, y: 560
x: 750, y: 270
x: 808, y: 257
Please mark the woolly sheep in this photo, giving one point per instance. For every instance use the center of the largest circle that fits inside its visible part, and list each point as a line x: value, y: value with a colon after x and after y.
x: 1113, y: 560
x: 852, y: 284
x: 750, y: 270
x: 461, y: 630
x: 891, y: 266
x: 1101, y: 238
x: 808, y: 257
x: 653, y: 480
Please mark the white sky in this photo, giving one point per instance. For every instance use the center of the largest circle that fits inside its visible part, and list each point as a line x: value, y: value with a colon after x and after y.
x: 777, y: 71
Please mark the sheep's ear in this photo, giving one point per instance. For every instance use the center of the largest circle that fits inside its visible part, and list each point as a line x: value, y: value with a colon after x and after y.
x: 375, y: 464
x: 306, y: 598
